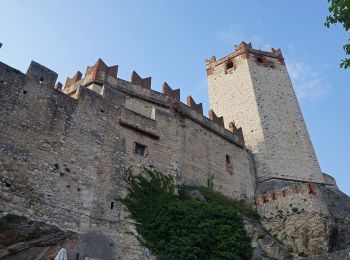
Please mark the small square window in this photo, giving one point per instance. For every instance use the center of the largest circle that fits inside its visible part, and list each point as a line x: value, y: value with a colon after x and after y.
x: 259, y: 60
x: 229, y: 65
x: 140, y: 149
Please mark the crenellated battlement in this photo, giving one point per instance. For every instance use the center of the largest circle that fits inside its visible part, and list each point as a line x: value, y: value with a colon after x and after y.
x: 246, y: 51
x: 99, y: 76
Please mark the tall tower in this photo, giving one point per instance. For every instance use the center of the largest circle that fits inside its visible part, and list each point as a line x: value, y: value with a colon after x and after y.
x: 253, y: 88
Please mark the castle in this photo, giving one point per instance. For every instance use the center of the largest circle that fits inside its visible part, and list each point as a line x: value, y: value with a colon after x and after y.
x: 65, y: 151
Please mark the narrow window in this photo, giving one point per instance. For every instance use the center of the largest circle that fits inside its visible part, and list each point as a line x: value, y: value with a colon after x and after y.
x: 41, y: 80
x: 140, y: 149
x: 229, y: 65
x: 259, y: 60
x: 112, y: 204
x: 229, y: 166
x: 228, y: 159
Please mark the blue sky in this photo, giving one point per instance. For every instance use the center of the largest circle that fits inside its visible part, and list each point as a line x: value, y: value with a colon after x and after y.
x: 170, y: 40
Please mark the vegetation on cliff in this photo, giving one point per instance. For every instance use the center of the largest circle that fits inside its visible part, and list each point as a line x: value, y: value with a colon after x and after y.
x: 181, y: 227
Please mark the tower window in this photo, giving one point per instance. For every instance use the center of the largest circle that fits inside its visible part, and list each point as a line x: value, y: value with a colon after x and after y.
x: 228, y: 159
x: 259, y: 60
x: 140, y: 149
x: 229, y: 65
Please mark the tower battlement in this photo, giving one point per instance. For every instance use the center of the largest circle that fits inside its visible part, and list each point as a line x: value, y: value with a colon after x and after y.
x: 245, y: 50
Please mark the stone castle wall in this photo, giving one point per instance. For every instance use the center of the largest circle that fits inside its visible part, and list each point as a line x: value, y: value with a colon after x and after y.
x: 298, y: 216
x: 64, y: 157
x: 253, y: 88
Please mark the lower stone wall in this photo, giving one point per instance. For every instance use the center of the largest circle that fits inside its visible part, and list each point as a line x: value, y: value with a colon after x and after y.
x: 298, y: 216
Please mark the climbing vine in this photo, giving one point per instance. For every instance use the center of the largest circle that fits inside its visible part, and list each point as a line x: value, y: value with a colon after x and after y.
x: 179, y: 227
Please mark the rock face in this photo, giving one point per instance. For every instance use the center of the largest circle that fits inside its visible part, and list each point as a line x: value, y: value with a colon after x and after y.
x: 24, y: 239
x: 299, y: 217
x: 265, y: 246
x: 309, y: 219
x: 338, y: 204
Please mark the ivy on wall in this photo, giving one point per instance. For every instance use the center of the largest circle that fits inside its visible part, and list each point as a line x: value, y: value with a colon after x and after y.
x: 180, y: 227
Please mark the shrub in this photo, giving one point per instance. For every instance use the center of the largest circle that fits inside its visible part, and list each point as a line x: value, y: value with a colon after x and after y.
x: 183, y: 228
x: 216, y: 197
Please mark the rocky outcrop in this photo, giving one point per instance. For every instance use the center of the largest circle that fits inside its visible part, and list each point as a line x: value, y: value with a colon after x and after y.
x: 298, y: 216
x: 310, y: 219
x: 21, y: 238
x: 304, y: 233
x: 265, y: 246
x: 338, y: 204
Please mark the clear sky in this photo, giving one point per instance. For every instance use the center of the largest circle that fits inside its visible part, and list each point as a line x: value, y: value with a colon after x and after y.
x: 170, y: 40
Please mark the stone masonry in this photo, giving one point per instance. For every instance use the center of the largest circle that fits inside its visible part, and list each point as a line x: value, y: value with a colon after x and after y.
x: 64, y: 155
x: 253, y: 89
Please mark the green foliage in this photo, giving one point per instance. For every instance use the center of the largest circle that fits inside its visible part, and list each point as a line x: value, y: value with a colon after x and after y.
x: 217, y: 198
x: 6, y: 220
x: 174, y: 227
x: 340, y: 13
x: 295, y: 210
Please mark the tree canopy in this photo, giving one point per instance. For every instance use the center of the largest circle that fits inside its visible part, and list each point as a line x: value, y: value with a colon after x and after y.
x: 340, y: 13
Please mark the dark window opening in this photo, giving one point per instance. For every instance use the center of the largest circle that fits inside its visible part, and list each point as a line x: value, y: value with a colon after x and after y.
x: 229, y: 65
x: 112, y: 204
x: 140, y: 149
x: 41, y: 80
x: 259, y: 60
x: 228, y: 159
x: 57, y: 166
x: 25, y: 91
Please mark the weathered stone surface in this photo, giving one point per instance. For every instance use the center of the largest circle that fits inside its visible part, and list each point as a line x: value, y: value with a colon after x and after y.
x: 298, y: 216
x: 265, y: 246
x: 64, y: 156
x: 259, y: 97
x: 338, y: 205
x: 24, y: 239
x: 63, y: 160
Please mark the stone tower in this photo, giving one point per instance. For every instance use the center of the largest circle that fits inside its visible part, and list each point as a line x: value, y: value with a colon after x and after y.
x: 253, y: 89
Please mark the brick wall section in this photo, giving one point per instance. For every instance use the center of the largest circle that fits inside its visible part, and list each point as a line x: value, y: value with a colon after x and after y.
x: 70, y: 81
x: 192, y: 104
x: 258, y: 96
x: 308, y: 189
x: 173, y: 96
x: 100, y: 71
x: 216, y: 119
x: 143, y: 82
